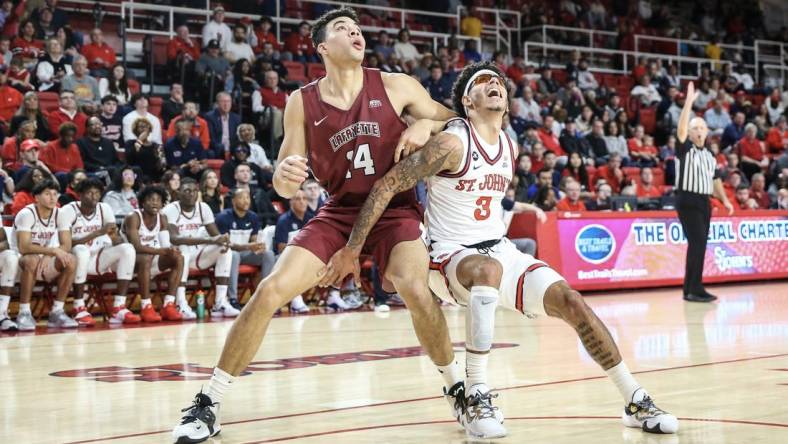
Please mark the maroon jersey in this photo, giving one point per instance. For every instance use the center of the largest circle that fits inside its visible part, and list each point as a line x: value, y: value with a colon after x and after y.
x: 349, y: 150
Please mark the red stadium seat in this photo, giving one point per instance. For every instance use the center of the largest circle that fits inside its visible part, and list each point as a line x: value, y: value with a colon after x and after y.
x: 296, y: 72
x: 48, y: 101
x: 134, y: 86
x: 659, y: 176
x: 648, y: 118
x: 154, y: 106
x: 214, y: 164
x: 160, y: 50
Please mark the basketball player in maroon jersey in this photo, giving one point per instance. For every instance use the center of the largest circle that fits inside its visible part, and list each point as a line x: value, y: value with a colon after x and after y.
x: 346, y: 126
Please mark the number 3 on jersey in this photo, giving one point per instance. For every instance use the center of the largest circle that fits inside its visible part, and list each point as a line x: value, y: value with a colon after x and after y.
x: 483, y: 210
x: 362, y: 158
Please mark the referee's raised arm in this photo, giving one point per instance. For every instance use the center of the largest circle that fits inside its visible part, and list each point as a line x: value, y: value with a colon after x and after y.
x: 686, y: 113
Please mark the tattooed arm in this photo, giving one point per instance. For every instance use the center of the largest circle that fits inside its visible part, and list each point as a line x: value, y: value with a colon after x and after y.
x: 442, y: 152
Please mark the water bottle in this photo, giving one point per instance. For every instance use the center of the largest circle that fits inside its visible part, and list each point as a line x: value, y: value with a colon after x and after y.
x: 200, y: 305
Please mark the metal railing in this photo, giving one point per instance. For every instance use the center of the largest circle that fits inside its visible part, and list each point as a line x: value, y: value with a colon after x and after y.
x: 499, y: 28
x: 783, y: 69
x: 592, y: 35
x: 679, y: 43
x: 764, y: 57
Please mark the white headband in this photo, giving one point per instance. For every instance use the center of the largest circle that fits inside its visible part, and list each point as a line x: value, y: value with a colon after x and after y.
x: 475, y: 75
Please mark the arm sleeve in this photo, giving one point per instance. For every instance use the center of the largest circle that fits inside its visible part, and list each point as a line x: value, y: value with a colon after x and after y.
x: 257, y: 102
x: 682, y: 148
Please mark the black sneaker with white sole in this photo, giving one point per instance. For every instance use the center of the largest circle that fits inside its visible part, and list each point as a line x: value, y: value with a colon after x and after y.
x: 199, y: 423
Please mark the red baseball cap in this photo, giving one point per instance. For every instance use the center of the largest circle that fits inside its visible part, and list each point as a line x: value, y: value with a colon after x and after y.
x: 28, y: 145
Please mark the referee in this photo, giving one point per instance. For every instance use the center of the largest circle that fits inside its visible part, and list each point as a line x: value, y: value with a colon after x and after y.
x: 696, y: 180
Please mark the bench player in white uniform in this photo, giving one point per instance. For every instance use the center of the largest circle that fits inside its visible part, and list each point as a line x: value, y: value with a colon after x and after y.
x: 9, y: 265
x: 193, y: 229
x: 468, y: 169
x: 45, y: 255
x: 99, y: 249
x: 146, y: 231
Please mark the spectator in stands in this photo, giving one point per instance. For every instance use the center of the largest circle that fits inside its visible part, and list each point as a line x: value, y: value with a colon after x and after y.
x: 30, y: 109
x: 85, y: 87
x: 216, y: 29
x: 671, y: 78
x: 743, y: 78
x: 646, y: 92
x: 572, y: 141
x: 271, y: 100
x: 383, y: 47
x: 111, y: 122
x: 527, y: 108
x: 100, y: 56
x: 717, y: 118
x: 404, y: 49
x: 596, y: 140
x: 291, y: 221
x: 210, y: 191
x: 18, y: 76
x: 777, y: 137
x: 182, y: 54
x: 23, y: 195
x: 52, y: 67
x: 13, y: 145
x: 67, y: 112
x: 11, y: 98
x: 97, y: 152
x: 241, y: 154
x: 140, y: 103
x: 734, y: 131
x: 171, y: 182
x: 572, y: 200
x: 143, y: 152
x: 576, y: 169
x: 438, y: 86
x: 516, y: 71
x: 6, y: 13
x: 624, y: 127
x: 28, y: 156
x: 238, y: 48
x: 122, y: 195
x: 545, y: 178
x: 314, y: 195
x: 758, y: 191
x: 705, y: 96
x: 731, y: 164
x: 646, y: 187
x: 223, y: 126
x: 70, y: 195
x: 27, y: 45
x: 546, y: 198
x: 173, y: 106
x: 641, y: 153
x: 70, y: 43
x: 753, y: 152
x: 257, y: 156
x: 185, y: 152
x: 299, y: 45
x: 470, y: 53
x: 548, y: 137
x: 471, y: 25
x: 62, y: 155
x: 241, y: 84
x: 523, y: 177
x: 774, y: 106
x: 612, y: 173
x: 743, y: 199
x: 5, y: 49
x: 615, y: 143
x: 246, y: 240
x: 116, y: 84
x: 613, y: 106
x: 261, y: 202
x: 199, y: 127
x: 263, y: 34
x: 213, y: 65
x: 584, y: 120
x: 585, y: 78
x: 602, y: 200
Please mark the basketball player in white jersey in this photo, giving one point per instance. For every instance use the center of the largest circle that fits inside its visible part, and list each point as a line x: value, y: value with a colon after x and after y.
x: 146, y: 231
x: 45, y: 255
x: 9, y: 265
x: 193, y: 229
x: 99, y: 249
x: 468, y: 168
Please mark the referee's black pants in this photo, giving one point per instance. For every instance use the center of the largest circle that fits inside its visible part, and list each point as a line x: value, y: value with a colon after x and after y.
x: 695, y: 216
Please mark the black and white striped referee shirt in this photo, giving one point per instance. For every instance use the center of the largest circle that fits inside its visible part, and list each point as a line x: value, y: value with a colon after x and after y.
x: 696, y: 169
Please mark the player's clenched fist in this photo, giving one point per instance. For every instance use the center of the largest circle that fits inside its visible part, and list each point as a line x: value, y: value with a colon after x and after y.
x: 294, y: 169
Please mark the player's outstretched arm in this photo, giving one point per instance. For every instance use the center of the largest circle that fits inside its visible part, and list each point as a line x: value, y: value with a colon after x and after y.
x: 442, y: 152
x: 292, y: 168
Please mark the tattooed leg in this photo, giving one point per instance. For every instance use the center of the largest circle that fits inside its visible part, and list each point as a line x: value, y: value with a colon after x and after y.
x: 561, y: 301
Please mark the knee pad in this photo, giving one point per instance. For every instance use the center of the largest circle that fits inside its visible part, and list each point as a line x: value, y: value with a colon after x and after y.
x: 480, y: 318
x: 223, y: 264
x: 82, y: 255
x: 10, y: 268
x: 128, y: 256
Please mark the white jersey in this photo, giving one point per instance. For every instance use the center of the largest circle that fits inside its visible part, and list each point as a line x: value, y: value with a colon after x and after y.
x: 71, y: 217
x: 189, y: 224
x: 465, y: 205
x: 43, y: 232
x: 149, y: 236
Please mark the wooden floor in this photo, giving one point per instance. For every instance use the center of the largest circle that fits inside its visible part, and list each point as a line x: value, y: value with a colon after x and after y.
x: 359, y: 377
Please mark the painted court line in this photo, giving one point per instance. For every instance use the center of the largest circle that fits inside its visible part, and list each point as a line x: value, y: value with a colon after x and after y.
x: 403, y: 401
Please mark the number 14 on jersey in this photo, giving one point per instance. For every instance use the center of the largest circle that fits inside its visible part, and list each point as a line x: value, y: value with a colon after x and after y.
x: 361, y: 159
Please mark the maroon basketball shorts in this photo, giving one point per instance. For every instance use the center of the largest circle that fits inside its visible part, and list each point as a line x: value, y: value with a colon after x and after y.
x: 327, y: 232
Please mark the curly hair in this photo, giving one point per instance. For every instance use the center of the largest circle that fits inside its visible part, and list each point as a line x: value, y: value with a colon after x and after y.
x: 458, y: 88
x: 150, y: 190
x: 319, y: 27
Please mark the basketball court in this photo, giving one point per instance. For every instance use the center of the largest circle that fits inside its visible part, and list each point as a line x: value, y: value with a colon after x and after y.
x: 359, y: 377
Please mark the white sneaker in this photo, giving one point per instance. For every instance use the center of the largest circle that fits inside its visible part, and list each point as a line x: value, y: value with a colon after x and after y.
x: 187, y: 314
x: 297, y: 305
x: 59, y: 319
x: 480, y: 418
x: 25, y: 321
x: 354, y: 299
x: 642, y: 413
x: 382, y: 308
x: 224, y: 311
x: 200, y: 422
x: 335, y: 300
x: 7, y: 324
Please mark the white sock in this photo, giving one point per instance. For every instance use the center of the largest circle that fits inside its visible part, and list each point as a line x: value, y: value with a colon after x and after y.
x: 221, y: 295
x: 120, y: 301
x: 145, y: 303
x: 24, y: 308
x: 79, y: 303
x: 219, y: 384
x: 475, y: 368
x: 180, y: 296
x: 169, y: 299
x: 623, y: 380
x: 452, y: 373
x: 4, y: 301
x: 58, y: 306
